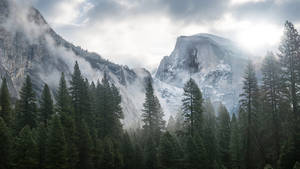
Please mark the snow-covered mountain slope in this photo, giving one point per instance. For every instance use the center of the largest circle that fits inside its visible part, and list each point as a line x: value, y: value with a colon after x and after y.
x: 29, y: 46
x: 216, y: 64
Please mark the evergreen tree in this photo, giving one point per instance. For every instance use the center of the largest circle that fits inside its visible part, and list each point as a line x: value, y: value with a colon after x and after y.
x: 128, y: 152
x: 234, y: 144
x: 26, y: 150
x: 209, y: 134
x: 152, y: 114
x: 6, y: 110
x: 41, y: 141
x: 290, y: 65
x: 249, y: 104
x: 108, y: 109
x: 224, y: 136
x: 272, y: 103
x: 5, y: 145
x: 84, y: 146
x: 151, y: 159
x: 27, y: 109
x: 46, y: 105
x: 192, y: 107
x: 77, y: 84
x: 70, y: 138
x: 167, y: 152
x: 195, y: 153
x: 56, y: 149
x: 63, y: 97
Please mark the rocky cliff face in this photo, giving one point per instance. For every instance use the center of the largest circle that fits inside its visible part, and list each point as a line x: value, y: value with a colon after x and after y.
x: 29, y: 46
x: 215, y: 63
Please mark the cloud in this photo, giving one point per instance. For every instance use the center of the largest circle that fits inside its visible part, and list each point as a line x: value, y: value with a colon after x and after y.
x: 140, y: 32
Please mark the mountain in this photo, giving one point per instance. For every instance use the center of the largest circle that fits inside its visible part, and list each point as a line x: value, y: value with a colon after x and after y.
x: 215, y: 63
x: 28, y: 46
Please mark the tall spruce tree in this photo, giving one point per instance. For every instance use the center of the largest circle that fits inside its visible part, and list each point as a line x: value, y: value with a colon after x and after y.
x: 272, y: 103
x: 63, y: 99
x: 27, y: 108
x: 46, y: 105
x: 77, y: 84
x: 289, y: 50
x: 192, y: 107
x: 6, y: 110
x: 249, y: 101
x: 152, y: 114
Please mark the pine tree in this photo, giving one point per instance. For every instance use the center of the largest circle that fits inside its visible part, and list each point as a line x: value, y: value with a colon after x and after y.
x: 41, y: 141
x: 76, y: 92
x: 234, y: 144
x: 26, y: 151
x: 224, y: 136
x: 56, y: 147
x: 70, y: 137
x: 27, y: 109
x: 272, y: 103
x: 84, y: 145
x: 167, y: 152
x: 249, y: 104
x: 196, y: 156
x: 152, y: 114
x: 46, y: 105
x: 209, y: 134
x: 5, y: 146
x: 63, y: 97
x: 6, y: 110
x: 289, y: 50
x: 192, y: 107
x: 128, y: 152
x: 108, y: 110
x: 151, y: 159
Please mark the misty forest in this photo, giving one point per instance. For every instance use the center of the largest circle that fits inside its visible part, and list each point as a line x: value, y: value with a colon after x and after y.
x: 80, y: 125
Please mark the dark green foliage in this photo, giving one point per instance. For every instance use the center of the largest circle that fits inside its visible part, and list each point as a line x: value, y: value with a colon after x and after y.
x: 290, y: 66
x: 27, y: 108
x: 46, y: 106
x: 151, y: 161
x: 63, y: 98
x: 192, y: 107
x: 168, y: 153
x: 70, y: 138
x: 209, y: 134
x: 26, y: 150
x: 84, y: 146
x: 5, y: 145
x: 234, y: 145
x: 5, y: 111
x: 196, y: 156
x: 128, y: 152
x: 250, y: 106
x: 56, y: 147
x: 41, y: 140
x: 224, y: 136
x: 108, y: 110
x: 152, y: 114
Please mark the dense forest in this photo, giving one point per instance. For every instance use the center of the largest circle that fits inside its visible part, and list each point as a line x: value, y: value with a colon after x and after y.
x: 82, y: 128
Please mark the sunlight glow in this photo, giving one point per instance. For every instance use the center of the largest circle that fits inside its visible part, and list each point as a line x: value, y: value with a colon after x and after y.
x: 253, y: 37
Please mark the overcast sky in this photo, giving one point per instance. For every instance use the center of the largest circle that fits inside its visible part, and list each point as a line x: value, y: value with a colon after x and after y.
x: 139, y: 33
